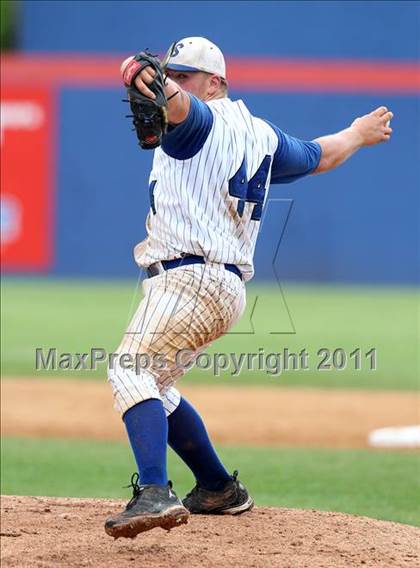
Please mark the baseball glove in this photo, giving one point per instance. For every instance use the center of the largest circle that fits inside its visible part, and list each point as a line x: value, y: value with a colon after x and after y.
x: 150, y: 117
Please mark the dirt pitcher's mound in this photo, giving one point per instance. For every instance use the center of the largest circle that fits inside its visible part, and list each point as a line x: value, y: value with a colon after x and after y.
x: 44, y: 532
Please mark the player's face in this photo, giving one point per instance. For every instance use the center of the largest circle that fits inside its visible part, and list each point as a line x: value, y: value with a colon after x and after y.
x: 195, y: 82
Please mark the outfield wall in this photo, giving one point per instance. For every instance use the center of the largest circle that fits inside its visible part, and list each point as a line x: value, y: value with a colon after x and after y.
x: 75, y: 183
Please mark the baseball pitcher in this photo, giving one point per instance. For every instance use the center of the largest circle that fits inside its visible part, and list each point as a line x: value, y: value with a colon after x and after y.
x: 213, y: 165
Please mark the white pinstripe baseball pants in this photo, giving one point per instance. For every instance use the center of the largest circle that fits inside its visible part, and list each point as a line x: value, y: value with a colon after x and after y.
x: 182, y: 312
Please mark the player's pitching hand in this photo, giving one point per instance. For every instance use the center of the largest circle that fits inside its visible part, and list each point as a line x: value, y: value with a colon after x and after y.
x: 374, y: 127
x: 143, y: 79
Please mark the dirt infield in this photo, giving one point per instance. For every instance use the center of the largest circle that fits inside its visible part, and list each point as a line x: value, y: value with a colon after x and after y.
x: 234, y: 415
x: 44, y: 532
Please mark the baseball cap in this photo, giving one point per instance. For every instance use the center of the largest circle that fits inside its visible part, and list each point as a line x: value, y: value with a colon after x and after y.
x: 196, y: 54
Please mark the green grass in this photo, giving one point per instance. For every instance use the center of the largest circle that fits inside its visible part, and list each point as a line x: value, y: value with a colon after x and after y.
x: 382, y: 485
x: 75, y: 316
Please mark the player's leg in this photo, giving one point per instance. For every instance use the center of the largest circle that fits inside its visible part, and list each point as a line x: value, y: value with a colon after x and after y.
x: 147, y: 430
x: 199, y: 320
x: 183, y: 310
x: 152, y: 333
x: 221, y: 300
x: 188, y: 437
x: 216, y: 492
x: 137, y: 397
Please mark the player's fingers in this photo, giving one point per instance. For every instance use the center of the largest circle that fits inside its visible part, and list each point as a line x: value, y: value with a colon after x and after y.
x: 388, y: 131
x: 380, y: 111
x: 150, y: 71
x: 146, y: 91
x: 387, y: 116
x: 143, y: 88
x: 148, y: 75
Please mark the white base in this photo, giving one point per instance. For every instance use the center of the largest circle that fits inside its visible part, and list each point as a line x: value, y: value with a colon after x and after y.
x: 395, y: 437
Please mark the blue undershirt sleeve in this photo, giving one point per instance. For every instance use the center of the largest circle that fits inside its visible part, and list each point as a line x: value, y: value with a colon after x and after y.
x: 184, y: 140
x: 293, y: 158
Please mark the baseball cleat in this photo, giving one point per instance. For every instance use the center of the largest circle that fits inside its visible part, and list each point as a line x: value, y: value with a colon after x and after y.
x: 151, y: 506
x: 233, y: 499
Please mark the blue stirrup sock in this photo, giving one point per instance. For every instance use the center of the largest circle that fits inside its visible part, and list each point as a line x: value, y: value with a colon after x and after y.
x: 188, y: 437
x: 147, y: 429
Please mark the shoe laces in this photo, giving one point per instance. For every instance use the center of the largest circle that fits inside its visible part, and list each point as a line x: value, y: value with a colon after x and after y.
x: 137, y: 489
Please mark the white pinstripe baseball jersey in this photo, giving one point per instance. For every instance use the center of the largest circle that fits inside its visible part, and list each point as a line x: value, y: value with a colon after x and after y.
x: 210, y: 180
x: 211, y: 203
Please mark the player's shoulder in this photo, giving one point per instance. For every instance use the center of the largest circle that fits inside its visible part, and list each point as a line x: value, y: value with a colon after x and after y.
x: 226, y: 105
x: 233, y: 113
x: 238, y: 112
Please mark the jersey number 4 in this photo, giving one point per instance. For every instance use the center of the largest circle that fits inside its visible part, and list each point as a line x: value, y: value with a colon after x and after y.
x: 252, y: 191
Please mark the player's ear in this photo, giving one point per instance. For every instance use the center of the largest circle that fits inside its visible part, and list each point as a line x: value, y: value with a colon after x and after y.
x: 214, y: 84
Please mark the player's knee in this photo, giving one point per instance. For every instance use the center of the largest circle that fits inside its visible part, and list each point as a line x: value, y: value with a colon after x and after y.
x: 171, y: 398
x: 130, y: 388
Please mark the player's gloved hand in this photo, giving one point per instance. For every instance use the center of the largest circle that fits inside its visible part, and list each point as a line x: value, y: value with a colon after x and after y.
x: 373, y: 127
x: 145, y: 81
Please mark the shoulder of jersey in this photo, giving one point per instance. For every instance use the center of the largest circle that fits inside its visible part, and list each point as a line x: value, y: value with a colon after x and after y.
x: 238, y: 114
x: 222, y: 104
x: 227, y: 109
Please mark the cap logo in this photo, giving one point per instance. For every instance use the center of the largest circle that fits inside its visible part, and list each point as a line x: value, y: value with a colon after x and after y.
x: 176, y: 49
